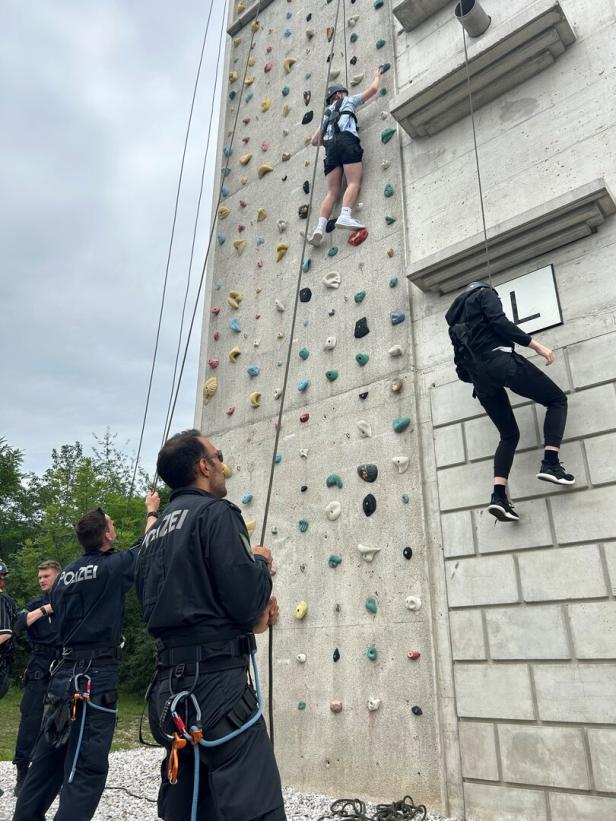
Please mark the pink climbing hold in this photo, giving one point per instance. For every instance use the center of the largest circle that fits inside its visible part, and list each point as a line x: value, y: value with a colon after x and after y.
x: 357, y: 237
x: 215, y: 311
x: 242, y: 203
x: 304, y: 417
x: 230, y: 410
x: 268, y: 66
x: 264, y: 146
x: 241, y: 227
x: 414, y: 655
x: 217, y: 335
x: 245, y: 140
x: 269, y: 49
x: 259, y: 263
x: 246, y: 120
x: 213, y: 363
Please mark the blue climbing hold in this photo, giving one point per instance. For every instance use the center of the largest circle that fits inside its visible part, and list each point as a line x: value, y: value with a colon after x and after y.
x: 278, y: 458
x: 249, y: 96
x: 260, y: 241
x: 306, y: 264
x: 221, y: 239
x: 225, y: 191
x: 287, y: 32
x: 253, y: 370
x: 303, y: 384
x: 397, y: 317
x: 226, y: 171
x: 235, y: 326
x: 232, y: 94
x: 393, y: 282
x: 247, y: 498
x: 227, y: 150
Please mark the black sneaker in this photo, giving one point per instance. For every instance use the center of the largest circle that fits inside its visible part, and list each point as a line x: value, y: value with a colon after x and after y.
x: 556, y: 473
x: 22, y: 772
x: 502, y: 509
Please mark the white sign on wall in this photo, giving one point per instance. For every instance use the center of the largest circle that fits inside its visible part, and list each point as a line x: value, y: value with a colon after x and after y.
x: 531, y: 301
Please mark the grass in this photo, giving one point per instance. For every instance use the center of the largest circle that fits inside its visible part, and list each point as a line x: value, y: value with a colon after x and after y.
x: 126, y: 735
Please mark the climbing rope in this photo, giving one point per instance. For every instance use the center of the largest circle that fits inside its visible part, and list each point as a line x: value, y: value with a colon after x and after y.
x: 483, y: 211
x: 270, y: 645
x: 354, y: 809
x: 132, y: 794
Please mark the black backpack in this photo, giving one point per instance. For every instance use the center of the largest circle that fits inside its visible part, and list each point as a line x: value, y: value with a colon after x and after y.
x: 332, y: 117
x: 464, y: 359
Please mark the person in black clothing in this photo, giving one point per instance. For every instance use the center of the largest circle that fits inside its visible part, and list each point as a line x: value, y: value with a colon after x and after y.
x: 484, y: 340
x: 38, y: 622
x: 204, y: 592
x: 71, y: 754
x: 8, y: 611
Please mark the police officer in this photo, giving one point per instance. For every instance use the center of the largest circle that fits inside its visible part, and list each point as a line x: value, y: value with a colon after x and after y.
x: 484, y: 340
x: 204, y: 591
x: 8, y: 611
x: 88, y: 603
x: 38, y: 622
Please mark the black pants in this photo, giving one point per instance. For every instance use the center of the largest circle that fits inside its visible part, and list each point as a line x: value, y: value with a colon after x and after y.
x: 513, y: 371
x: 5, y: 677
x: 238, y: 781
x: 31, y: 708
x: 51, y: 766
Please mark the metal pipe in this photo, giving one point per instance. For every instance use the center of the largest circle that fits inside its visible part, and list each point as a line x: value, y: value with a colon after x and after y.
x: 472, y: 16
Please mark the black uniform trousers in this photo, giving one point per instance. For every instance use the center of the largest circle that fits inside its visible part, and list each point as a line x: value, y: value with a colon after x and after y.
x: 510, y: 370
x: 31, y: 708
x: 238, y: 781
x: 5, y: 676
x: 51, y: 765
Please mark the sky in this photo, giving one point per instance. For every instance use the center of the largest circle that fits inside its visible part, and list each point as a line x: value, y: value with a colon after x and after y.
x: 94, y: 103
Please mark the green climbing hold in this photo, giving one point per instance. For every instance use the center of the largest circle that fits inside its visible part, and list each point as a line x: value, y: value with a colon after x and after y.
x: 359, y: 296
x: 405, y: 498
x: 390, y: 220
x: 389, y: 190
x: 333, y: 480
x: 378, y: 4
x: 387, y: 134
x: 401, y: 423
x: 380, y: 43
x: 393, y: 282
x: 371, y: 605
x: 274, y: 530
x: 354, y: 37
x: 361, y: 359
x: 285, y: 90
x: 334, y: 560
x: 304, y: 353
x: 382, y: 91
x: 332, y: 251
x: 302, y: 525
x: 301, y: 705
x: 372, y: 653
x: 331, y: 375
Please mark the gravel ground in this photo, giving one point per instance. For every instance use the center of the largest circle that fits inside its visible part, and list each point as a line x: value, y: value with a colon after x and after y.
x: 138, y: 770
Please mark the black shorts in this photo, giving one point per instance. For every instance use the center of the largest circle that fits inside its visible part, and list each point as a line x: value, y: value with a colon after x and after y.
x: 342, y: 150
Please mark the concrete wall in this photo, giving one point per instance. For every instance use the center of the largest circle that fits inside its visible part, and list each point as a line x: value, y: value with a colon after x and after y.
x: 516, y: 630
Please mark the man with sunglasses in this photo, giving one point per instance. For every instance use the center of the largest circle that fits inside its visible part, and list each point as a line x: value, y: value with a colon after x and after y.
x: 204, y: 593
x: 71, y: 755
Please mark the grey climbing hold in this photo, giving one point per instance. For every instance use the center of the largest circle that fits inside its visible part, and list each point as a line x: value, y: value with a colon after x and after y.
x: 401, y: 423
x: 304, y: 353
x: 368, y: 472
x: 305, y: 295
x: 331, y: 375
x: 397, y: 317
x: 412, y: 603
x: 279, y: 306
x: 332, y: 280
x: 282, y: 225
x: 396, y: 350
x: 333, y: 480
x: 362, y: 359
x: 302, y: 525
x: 333, y: 511
x: 300, y: 658
x: 374, y: 704
x: 361, y: 328
x: 369, y: 504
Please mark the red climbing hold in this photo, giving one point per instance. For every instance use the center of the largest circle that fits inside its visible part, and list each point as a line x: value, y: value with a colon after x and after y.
x: 304, y: 417
x: 414, y: 655
x: 242, y: 203
x: 213, y: 363
x: 246, y: 120
x: 357, y: 237
x: 215, y: 311
x: 241, y: 227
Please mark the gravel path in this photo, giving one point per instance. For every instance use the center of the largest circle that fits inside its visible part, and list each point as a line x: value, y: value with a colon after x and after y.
x: 138, y: 771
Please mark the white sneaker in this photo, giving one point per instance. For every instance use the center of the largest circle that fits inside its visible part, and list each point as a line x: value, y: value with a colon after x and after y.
x: 317, y: 237
x: 349, y: 223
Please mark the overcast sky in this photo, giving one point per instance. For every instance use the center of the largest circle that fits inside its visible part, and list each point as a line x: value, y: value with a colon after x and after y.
x: 94, y: 101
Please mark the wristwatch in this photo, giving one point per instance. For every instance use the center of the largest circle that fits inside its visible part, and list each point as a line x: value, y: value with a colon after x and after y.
x: 43, y: 610
x: 152, y: 513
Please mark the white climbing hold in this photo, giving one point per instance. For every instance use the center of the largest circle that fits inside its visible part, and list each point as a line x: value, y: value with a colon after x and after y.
x: 396, y: 350
x: 282, y: 225
x: 374, y: 704
x: 334, y: 73
x: 303, y: 452
x: 368, y: 553
x: 256, y: 342
x: 277, y: 393
x: 332, y: 279
x: 359, y: 207
x: 412, y: 602
x: 384, y: 115
x: 401, y: 462
x: 279, y: 306
x: 357, y: 78
x: 364, y: 428
x: 352, y: 20
x: 330, y: 343
x: 333, y: 511
x: 385, y: 164
x: 301, y: 658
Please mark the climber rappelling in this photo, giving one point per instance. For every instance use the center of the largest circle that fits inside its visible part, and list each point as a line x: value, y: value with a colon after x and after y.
x: 483, y: 340
x: 343, y: 154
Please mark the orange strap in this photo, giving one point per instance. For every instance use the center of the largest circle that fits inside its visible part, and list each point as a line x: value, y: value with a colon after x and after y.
x: 173, y: 766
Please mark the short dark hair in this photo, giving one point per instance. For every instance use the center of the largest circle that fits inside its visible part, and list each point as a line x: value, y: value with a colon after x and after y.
x: 178, y: 457
x: 50, y: 564
x: 90, y: 530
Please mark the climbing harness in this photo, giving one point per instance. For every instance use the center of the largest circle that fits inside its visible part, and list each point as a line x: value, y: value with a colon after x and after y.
x: 83, y: 694
x: 354, y: 809
x: 332, y: 120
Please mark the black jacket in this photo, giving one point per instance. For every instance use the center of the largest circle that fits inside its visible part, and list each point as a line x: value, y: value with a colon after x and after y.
x: 8, y: 611
x: 481, y: 308
x: 43, y: 633
x: 196, y: 576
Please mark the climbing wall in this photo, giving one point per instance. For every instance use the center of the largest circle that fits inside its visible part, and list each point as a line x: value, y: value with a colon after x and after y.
x: 355, y: 703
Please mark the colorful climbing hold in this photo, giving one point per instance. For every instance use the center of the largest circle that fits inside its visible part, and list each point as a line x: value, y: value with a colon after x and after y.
x: 266, y: 104
x: 302, y: 385
x: 362, y: 359
x: 264, y: 169
x: 387, y: 134
x: 380, y: 43
x: 281, y: 250
x: 371, y: 605
x: 396, y: 386
x: 235, y: 326
x: 261, y: 214
x: 304, y: 417
x: 304, y: 353
x: 332, y: 251
x: 389, y: 190
x: 239, y: 245
x: 357, y: 237
x: 331, y: 375
x: 301, y: 705
x: 213, y: 362
x: 306, y: 265
x: 230, y: 410
x: 209, y: 389
x: 354, y: 37
x: 401, y: 423
x: 333, y: 480
x: 302, y: 525
x: 247, y: 498
x: 368, y: 472
x: 372, y: 652
x: 302, y: 211
x: 397, y: 317
x: 369, y: 504
x: 288, y: 64
x: 234, y: 299
x: 223, y: 212
x: 335, y: 706
x: 359, y: 297
x: 413, y: 655
x: 361, y: 328
x: 393, y: 282
x: 253, y: 370
x: 334, y: 560
x: 234, y: 352
x: 278, y: 458
x: 255, y: 399
x: 285, y: 91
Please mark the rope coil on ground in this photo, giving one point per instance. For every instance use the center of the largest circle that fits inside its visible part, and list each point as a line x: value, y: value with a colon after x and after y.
x: 354, y: 809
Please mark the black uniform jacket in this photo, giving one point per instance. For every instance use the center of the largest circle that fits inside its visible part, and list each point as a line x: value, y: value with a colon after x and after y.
x: 43, y: 633
x: 196, y: 576
x: 8, y: 611
x: 482, y: 309
x: 88, y: 597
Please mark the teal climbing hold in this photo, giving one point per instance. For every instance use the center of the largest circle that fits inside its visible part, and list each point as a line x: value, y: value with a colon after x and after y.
x: 227, y: 150
x: 260, y: 241
x: 302, y: 385
x: 405, y: 498
x: 278, y: 458
x: 285, y: 91
x: 390, y: 220
x: 249, y: 96
x: 382, y: 92
x: 393, y: 282
x: 333, y: 480
x: 247, y: 498
x: 372, y: 653
x: 226, y: 171
x: 221, y: 239
x: 253, y: 370
x: 380, y: 43
x: 371, y: 605
x: 361, y: 359
x: 274, y: 531
x: 332, y: 251
x: 354, y: 37
x: 302, y: 525
x: 331, y: 375
x: 232, y: 94
x: 304, y: 353
x: 235, y: 326
x: 359, y: 296
x: 334, y: 560
x: 378, y: 4
x: 401, y: 423
x: 397, y: 317
x: 301, y: 705
x: 387, y: 134
x: 306, y: 265
x: 389, y: 190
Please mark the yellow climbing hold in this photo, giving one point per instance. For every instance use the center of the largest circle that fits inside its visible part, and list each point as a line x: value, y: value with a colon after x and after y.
x: 237, y: 41
x: 209, y: 389
x: 244, y: 180
x: 227, y: 470
x: 288, y: 64
x: 285, y: 110
x: 266, y: 104
x: 245, y: 159
x: 264, y: 169
x: 223, y: 212
x: 255, y: 26
x: 281, y: 250
x: 286, y: 156
x: 239, y: 245
x: 300, y: 610
x: 241, y: 6
x: 261, y: 214
x: 234, y: 353
x: 255, y: 399
x: 233, y: 75
x: 251, y: 62
x: 234, y: 299
x: 250, y: 525
x: 250, y: 78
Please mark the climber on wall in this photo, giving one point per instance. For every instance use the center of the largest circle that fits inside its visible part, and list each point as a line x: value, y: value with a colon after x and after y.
x: 343, y: 154
x: 483, y: 340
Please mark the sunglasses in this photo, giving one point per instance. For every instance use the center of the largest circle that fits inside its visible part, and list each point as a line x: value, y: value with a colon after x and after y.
x: 217, y: 454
